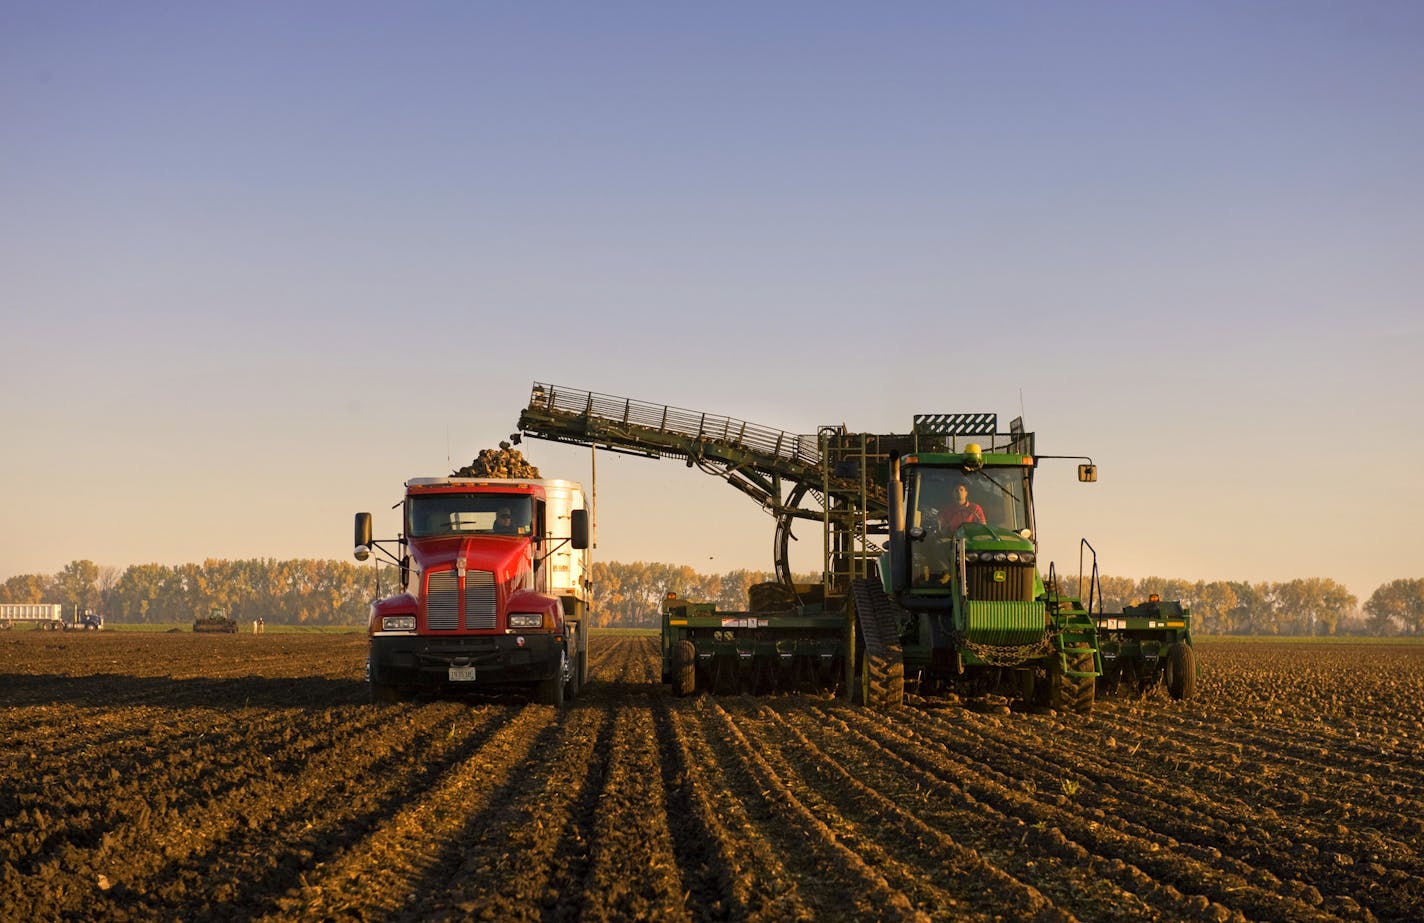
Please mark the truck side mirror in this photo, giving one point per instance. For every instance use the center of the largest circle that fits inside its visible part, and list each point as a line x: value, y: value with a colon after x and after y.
x: 363, y: 536
x: 1088, y: 473
x: 578, y: 526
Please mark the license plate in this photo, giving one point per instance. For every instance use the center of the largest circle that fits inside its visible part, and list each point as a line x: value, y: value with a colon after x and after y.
x: 462, y: 674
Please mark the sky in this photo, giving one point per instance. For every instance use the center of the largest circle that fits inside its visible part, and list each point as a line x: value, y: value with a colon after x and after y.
x: 261, y: 263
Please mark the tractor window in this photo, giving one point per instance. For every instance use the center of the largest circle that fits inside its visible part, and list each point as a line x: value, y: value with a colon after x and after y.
x: 457, y: 514
x: 1000, y: 494
x: 933, y: 503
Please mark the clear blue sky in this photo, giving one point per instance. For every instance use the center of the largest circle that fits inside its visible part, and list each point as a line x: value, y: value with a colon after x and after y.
x: 259, y: 263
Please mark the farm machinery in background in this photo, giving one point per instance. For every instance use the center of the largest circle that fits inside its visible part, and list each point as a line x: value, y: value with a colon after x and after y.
x: 950, y: 600
x: 216, y: 622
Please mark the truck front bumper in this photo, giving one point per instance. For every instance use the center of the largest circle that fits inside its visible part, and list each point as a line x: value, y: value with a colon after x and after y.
x: 465, y: 660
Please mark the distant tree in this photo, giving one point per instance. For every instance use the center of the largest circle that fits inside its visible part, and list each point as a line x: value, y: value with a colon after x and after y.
x: 1184, y: 591
x: 132, y: 599
x: 1313, y: 605
x: 108, y: 581
x: 1252, y: 613
x: 1116, y: 591
x: 27, y: 588
x: 1212, y: 607
x: 77, y: 586
x: 1399, y: 602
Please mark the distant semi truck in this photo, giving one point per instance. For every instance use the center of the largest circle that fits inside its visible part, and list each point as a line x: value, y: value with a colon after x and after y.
x: 49, y: 617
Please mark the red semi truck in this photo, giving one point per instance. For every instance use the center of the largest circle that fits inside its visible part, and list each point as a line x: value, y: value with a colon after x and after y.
x: 496, y: 589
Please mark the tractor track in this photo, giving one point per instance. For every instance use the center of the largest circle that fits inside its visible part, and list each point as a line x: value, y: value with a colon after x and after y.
x: 217, y: 777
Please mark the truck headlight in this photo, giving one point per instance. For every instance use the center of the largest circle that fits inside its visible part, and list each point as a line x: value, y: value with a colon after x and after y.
x: 397, y: 623
x: 526, y: 620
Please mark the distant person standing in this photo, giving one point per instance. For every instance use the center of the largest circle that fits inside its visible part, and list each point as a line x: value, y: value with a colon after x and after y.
x: 962, y: 511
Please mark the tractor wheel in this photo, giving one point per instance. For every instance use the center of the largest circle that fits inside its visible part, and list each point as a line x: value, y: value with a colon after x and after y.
x: 1181, y: 671
x: 684, y: 668
x: 1072, y: 693
x: 551, y: 691
x: 880, y: 679
x: 385, y: 694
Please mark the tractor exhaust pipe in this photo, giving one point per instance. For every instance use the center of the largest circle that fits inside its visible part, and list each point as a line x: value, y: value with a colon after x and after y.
x: 899, y: 557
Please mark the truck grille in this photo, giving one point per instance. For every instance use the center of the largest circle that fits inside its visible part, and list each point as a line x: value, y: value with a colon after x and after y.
x: 1017, y: 583
x: 442, y: 601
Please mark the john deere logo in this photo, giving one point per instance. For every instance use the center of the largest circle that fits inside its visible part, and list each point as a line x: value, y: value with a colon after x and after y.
x: 1000, y: 576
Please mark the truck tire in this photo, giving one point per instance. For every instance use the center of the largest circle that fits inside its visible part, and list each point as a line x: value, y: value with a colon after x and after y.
x: 684, y: 668
x: 551, y: 691
x: 880, y: 677
x: 574, y: 687
x: 1072, y: 693
x: 1181, y: 671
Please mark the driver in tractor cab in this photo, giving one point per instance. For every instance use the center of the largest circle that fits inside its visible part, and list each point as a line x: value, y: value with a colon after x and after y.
x: 961, y: 511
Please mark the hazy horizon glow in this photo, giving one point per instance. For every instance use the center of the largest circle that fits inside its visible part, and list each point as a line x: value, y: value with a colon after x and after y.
x: 258, y: 265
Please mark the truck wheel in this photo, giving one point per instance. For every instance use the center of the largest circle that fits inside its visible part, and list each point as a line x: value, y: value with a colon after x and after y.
x: 384, y: 694
x: 1181, y: 671
x: 574, y: 687
x: 551, y: 691
x: 684, y: 668
x: 1072, y: 693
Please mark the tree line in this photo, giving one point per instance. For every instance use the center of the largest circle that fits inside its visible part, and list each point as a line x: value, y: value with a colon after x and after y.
x: 327, y: 592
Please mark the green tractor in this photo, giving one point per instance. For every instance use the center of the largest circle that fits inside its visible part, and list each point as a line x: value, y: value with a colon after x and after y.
x: 216, y: 621
x: 960, y: 604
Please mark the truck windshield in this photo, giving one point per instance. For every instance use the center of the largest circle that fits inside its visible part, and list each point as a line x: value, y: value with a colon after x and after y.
x: 451, y: 514
x: 1001, y: 494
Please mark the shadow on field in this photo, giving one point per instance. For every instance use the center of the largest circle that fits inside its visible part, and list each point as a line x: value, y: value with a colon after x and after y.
x: 109, y: 690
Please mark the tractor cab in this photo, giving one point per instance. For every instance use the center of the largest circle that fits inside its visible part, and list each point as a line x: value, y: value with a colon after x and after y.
x: 969, y: 515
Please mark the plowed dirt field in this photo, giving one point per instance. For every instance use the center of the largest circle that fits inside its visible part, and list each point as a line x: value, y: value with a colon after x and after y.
x: 195, y: 777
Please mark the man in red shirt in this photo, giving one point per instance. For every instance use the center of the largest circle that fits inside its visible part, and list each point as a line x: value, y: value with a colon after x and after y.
x: 963, y: 510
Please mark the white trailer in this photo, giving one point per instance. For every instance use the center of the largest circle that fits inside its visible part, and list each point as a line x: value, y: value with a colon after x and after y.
x: 49, y: 616
x: 46, y: 616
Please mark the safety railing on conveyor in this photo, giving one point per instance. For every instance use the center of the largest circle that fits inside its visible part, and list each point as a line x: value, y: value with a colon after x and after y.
x: 689, y: 424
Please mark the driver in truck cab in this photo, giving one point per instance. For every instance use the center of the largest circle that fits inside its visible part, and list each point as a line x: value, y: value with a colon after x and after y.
x: 962, y: 510
x: 504, y: 523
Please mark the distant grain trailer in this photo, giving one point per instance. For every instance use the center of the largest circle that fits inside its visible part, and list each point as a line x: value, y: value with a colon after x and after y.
x: 47, y: 616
